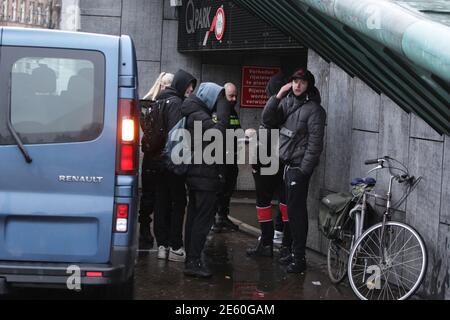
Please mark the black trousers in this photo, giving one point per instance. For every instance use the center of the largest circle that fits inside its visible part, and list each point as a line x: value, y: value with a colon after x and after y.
x: 231, y: 173
x: 297, y: 194
x: 268, y: 187
x: 200, y: 217
x: 170, y: 205
x: 149, y: 176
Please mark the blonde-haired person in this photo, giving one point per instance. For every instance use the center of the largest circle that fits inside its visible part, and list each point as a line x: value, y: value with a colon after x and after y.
x: 147, y: 204
x: 164, y: 80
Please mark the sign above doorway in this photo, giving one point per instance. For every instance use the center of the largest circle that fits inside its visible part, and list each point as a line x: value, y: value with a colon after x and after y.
x: 254, y: 83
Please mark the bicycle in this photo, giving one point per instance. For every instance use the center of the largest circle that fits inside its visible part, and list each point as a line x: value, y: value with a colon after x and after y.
x: 387, y: 261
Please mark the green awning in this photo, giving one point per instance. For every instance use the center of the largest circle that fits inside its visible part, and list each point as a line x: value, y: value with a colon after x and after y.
x: 389, y: 61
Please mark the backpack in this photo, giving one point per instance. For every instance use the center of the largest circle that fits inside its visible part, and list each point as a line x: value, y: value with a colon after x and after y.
x: 179, y: 146
x: 153, y: 125
x: 334, y: 212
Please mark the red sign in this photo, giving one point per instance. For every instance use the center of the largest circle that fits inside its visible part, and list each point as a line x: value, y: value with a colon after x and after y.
x: 219, y: 29
x: 254, y: 82
x: 218, y: 26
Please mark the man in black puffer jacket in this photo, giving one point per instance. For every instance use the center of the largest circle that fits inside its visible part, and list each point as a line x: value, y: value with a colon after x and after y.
x: 203, y: 180
x: 296, y: 110
x: 170, y: 196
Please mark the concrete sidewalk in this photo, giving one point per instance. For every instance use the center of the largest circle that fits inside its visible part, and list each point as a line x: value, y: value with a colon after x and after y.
x: 243, y: 212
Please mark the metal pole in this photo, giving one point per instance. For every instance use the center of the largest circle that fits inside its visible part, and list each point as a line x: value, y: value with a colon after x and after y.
x: 409, y: 33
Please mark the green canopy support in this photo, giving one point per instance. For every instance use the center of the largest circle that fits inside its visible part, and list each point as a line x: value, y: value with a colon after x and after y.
x: 399, y: 53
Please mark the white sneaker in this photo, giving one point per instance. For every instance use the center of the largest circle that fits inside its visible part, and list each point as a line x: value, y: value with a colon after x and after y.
x: 177, y: 255
x: 162, y: 252
x: 278, y: 237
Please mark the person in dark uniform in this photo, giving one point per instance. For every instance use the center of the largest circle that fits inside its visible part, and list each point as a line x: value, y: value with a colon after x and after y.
x: 203, y: 180
x: 296, y: 110
x: 230, y: 171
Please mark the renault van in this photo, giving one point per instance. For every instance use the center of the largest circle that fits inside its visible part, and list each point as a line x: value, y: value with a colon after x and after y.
x: 68, y: 159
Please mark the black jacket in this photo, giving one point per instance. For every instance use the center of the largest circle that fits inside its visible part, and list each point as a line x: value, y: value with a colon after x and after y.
x: 234, y: 123
x: 263, y: 147
x: 181, y: 81
x: 172, y: 107
x: 206, y: 177
x: 302, y: 125
x: 175, y: 97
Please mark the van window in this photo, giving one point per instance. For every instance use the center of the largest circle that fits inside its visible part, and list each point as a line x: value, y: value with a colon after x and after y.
x: 54, y: 95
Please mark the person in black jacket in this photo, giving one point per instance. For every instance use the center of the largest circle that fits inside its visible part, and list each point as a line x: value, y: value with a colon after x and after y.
x: 170, y: 197
x: 203, y: 180
x: 280, y: 218
x: 267, y: 187
x: 150, y: 172
x: 230, y: 170
x: 296, y: 110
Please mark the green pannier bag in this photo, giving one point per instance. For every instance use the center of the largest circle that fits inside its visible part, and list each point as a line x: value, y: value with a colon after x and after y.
x: 333, y: 211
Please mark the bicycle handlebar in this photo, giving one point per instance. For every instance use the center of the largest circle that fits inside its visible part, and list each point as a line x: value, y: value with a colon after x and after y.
x: 401, y: 178
x: 406, y: 178
x: 371, y: 161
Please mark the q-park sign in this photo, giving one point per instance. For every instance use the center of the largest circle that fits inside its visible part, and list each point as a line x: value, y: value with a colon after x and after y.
x: 199, y: 18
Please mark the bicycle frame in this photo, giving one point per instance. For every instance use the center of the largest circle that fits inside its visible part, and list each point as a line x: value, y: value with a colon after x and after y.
x: 359, y: 213
x: 386, y: 217
x: 359, y: 210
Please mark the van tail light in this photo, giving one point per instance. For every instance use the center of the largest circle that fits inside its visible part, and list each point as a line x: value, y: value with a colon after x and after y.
x: 94, y: 274
x: 121, y: 223
x: 127, y: 138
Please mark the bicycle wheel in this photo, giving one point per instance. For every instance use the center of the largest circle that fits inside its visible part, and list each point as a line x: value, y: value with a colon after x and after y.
x: 392, y: 270
x: 337, y: 259
x: 339, y: 251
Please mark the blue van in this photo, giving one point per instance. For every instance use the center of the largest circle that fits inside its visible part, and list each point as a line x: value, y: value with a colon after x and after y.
x: 69, y: 154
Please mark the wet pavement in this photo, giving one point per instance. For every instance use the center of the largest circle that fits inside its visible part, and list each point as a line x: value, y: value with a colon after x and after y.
x: 236, y: 277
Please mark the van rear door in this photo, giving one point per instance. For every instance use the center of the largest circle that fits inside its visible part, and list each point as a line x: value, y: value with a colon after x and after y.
x: 59, y: 100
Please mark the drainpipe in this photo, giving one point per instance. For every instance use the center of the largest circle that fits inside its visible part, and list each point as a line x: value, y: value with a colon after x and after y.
x: 422, y: 41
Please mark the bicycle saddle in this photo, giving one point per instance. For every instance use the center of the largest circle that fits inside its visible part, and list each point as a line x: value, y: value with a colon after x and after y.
x: 369, y: 181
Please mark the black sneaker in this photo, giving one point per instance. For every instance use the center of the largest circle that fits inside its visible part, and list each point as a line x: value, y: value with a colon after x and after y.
x: 228, y: 224
x: 260, y: 250
x: 195, y: 268
x: 286, y: 257
x: 297, y: 266
x: 217, y: 227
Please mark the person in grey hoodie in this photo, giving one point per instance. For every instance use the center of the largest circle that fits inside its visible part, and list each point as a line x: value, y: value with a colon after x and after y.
x: 204, y: 181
